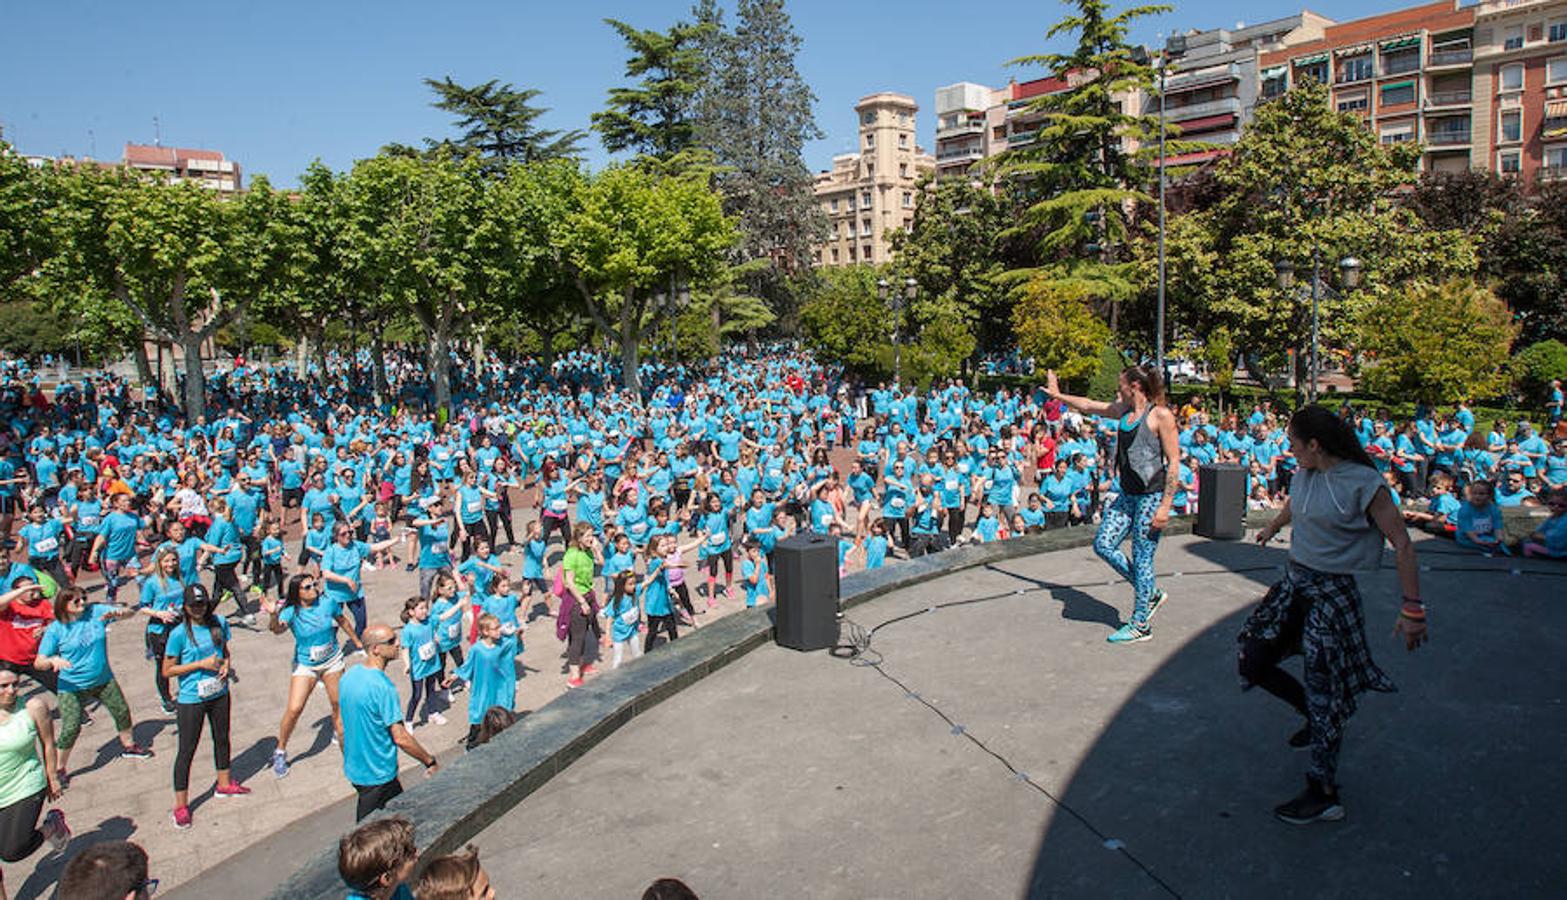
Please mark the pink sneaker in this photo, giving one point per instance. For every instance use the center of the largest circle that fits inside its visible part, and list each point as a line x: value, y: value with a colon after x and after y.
x: 232, y: 789
x: 55, y: 829
x: 182, y: 817
x: 574, y: 682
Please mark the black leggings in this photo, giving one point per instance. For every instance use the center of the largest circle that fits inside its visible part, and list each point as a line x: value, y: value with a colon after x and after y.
x: 456, y: 657
x: 225, y: 579
x: 156, y: 642
x: 654, y: 623
x: 954, y: 522
x: 476, y: 532
x: 899, y: 527
x: 425, y: 689
x: 683, y: 597
x: 501, y: 519
x: 53, y: 566
x: 19, y: 834
x: 189, y: 717
x: 252, y: 546
x: 728, y: 557
x: 272, y: 575
x: 374, y: 796
x: 552, y: 523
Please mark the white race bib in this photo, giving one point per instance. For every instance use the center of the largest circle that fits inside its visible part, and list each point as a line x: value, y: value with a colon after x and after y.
x: 899, y: 502
x: 427, y: 651
x: 952, y: 484
x: 320, y: 653
x: 508, y: 629
x: 717, y: 539
x: 474, y: 506
x: 557, y: 506
x: 826, y: 519
x: 629, y: 616
x: 638, y: 527
x: 45, y: 545
x: 454, y: 630
x: 207, y: 688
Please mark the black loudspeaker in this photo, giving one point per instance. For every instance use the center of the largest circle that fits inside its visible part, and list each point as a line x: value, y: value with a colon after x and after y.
x: 806, y: 569
x: 1221, y: 501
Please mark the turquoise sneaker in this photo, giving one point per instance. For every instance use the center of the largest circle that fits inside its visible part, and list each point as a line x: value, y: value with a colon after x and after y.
x: 1156, y: 601
x: 1129, y: 634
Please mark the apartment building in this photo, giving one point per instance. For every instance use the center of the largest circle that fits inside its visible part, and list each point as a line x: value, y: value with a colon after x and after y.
x: 1409, y: 73
x: 1520, y: 88
x: 975, y: 122
x: 870, y: 193
x: 1211, y: 85
x: 208, y: 168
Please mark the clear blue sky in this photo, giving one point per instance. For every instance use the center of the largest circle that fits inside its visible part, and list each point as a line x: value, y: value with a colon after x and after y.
x: 276, y: 84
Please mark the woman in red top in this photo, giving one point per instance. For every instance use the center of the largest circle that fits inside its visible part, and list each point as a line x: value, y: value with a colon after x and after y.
x: 24, y: 614
x: 1044, y: 453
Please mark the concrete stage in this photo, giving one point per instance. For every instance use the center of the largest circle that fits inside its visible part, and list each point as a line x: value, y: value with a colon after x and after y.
x: 1003, y: 749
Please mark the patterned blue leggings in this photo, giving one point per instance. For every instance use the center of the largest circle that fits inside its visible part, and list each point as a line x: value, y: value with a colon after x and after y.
x: 1131, y: 513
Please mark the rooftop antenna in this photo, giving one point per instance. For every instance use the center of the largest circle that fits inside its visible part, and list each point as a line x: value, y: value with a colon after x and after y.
x: 157, y: 133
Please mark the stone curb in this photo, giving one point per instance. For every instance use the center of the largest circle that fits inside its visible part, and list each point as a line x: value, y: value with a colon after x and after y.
x: 450, y: 809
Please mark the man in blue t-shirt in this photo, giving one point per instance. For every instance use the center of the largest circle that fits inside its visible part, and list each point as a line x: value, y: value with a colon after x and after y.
x: 373, y: 728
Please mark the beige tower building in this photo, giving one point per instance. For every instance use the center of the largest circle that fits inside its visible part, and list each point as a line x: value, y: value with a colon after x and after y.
x: 870, y: 193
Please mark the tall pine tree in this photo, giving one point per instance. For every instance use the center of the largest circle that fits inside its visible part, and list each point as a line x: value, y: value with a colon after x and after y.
x: 1074, y: 183
x: 654, y: 118
x: 755, y: 112
x: 499, y: 124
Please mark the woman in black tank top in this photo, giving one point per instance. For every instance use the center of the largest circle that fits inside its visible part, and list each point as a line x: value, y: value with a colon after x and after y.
x: 1147, y: 459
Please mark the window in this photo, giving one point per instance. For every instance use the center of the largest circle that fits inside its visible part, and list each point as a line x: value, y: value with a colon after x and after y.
x: 1507, y: 162
x: 1273, y: 87
x: 903, y: 141
x: 1558, y: 31
x: 1355, y: 68
x: 1512, y: 78
x: 870, y: 140
x: 1555, y: 158
x: 903, y: 170
x: 1401, y: 133
x: 868, y: 118
x: 903, y: 118
x: 866, y: 252
x: 1317, y: 72
x: 870, y: 169
x: 834, y: 204
x: 1512, y: 37
x: 835, y: 254
x: 1399, y: 93
x: 1351, y: 104
x: 1400, y: 61
x: 865, y: 228
x: 865, y: 199
x: 1512, y: 125
x: 1556, y: 70
x: 908, y: 199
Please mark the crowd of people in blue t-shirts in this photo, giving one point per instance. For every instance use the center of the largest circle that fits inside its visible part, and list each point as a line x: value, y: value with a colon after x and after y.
x: 550, y: 493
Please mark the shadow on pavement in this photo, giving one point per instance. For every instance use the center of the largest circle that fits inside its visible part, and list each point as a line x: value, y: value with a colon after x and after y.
x: 47, y: 872
x: 1449, y: 785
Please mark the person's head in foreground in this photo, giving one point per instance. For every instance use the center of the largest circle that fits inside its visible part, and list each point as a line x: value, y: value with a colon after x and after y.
x: 114, y: 870
x: 376, y: 857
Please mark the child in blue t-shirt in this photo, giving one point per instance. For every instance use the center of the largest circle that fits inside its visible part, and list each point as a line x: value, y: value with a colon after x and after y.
x: 272, y: 558
x: 753, y: 575
x: 423, y: 660
x: 1550, y: 539
x: 1479, y: 521
x: 624, y: 613
x: 1441, y: 513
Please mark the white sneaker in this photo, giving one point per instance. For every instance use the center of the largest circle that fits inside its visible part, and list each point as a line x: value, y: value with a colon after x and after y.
x: 437, y: 719
x: 250, y: 618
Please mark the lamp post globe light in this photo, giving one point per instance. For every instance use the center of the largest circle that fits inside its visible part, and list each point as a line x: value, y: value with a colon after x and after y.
x: 1349, y: 269
x: 1174, y: 48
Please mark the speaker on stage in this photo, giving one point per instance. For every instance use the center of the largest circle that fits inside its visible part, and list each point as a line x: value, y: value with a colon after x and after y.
x: 1221, y: 501
x: 806, y: 569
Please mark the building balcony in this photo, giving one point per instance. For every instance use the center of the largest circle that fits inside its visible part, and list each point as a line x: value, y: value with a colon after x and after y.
x: 962, y: 128
x: 1021, y: 138
x: 1449, y: 98
x: 1444, y: 58
x: 1556, y: 172
x: 1401, y: 65
x: 1448, y: 137
x: 961, y: 154
x: 1222, y: 106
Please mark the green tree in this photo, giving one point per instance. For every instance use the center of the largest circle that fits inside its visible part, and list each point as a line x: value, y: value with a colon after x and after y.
x: 656, y: 116
x: 25, y: 206
x: 630, y: 234
x: 1057, y: 326
x: 845, y: 320
x: 952, y: 249
x: 183, y: 260
x: 499, y: 123
x: 1303, y: 182
x: 422, y: 226
x: 1536, y: 365
x: 1435, y: 342
x: 531, y: 280
x: 755, y: 113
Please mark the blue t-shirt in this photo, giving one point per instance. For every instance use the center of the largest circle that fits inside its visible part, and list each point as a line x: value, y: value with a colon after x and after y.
x: 83, y: 644
x: 533, y: 559
x: 43, y: 540
x: 347, y: 562
x: 370, y: 708
x: 159, y: 595
x: 193, y: 643
x: 757, y: 591
x: 119, y: 536
x: 314, y: 628
x: 434, y: 549
x: 424, y: 656
x: 491, y: 673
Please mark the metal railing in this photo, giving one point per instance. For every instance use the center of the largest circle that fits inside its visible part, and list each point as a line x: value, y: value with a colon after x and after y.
x: 1448, y: 137
x: 1410, y: 62
x: 1450, y: 57
x: 1449, y: 98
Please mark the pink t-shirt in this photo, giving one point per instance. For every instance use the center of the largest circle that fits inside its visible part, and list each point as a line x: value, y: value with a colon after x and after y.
x: 676, y: 567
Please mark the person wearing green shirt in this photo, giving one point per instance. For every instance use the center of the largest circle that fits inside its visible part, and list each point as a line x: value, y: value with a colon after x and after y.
x: 578, y: 609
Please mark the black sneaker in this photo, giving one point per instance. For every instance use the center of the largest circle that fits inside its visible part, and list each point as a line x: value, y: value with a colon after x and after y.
x: 1315, y: 803
x: 1301, y: 740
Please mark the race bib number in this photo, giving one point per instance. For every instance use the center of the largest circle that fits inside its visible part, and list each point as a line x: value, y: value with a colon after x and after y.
x: 427, y: 651
x: 1483, y: 526
x: 454, y: 630
x: 558, y: 506
x: 208, y: 688
x: 508, y: 629
x: 717, y: 539
x: 474, y: 506
x: 629, y: 616
x: 46, y: 545
x: 952, y: 484
x: 320, y: 653
x: 638, y: 527
x: 89, y: 521
x: 899, y: 502
x: 825, y: 519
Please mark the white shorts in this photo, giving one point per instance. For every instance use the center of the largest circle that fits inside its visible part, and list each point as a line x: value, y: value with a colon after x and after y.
x: 329, y: 666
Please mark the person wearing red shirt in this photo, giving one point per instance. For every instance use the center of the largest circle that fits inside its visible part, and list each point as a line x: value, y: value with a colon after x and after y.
x: 1044, y: 453
x: 24, y: 614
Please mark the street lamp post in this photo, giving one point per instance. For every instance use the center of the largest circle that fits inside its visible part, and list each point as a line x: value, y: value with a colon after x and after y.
x: 1174, y: 48
x: 910, y: 290
x: 1349, y: 279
